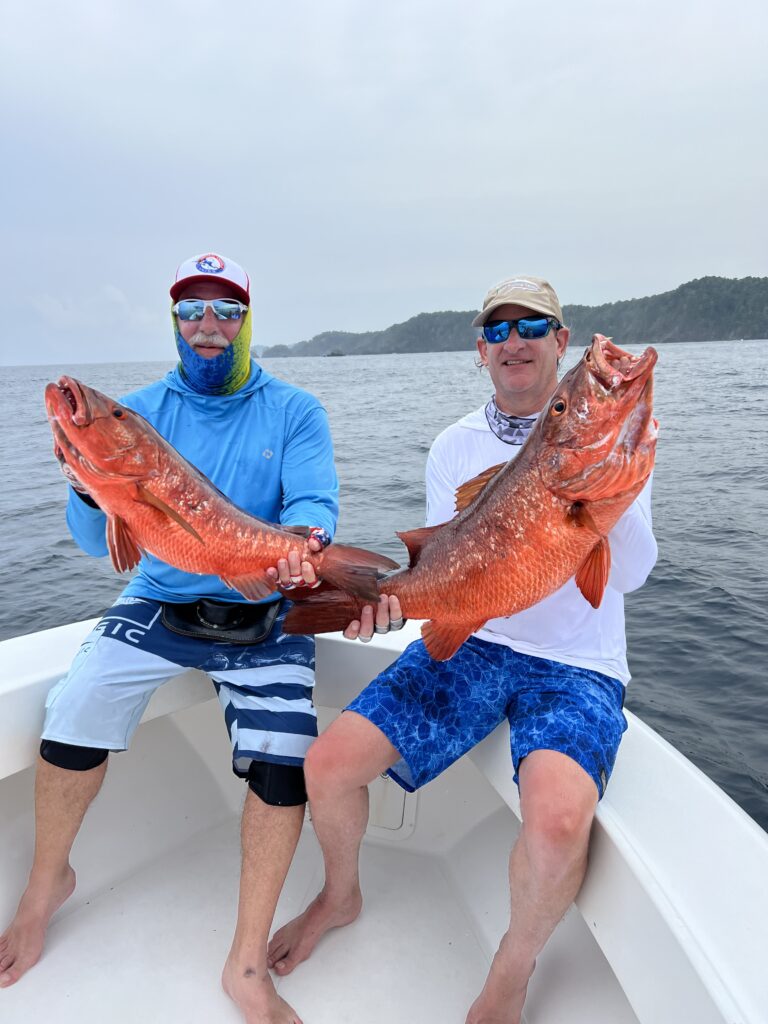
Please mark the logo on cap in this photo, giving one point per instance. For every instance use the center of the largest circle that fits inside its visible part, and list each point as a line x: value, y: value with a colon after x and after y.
x: 517, y: 284
x: 210, y: 264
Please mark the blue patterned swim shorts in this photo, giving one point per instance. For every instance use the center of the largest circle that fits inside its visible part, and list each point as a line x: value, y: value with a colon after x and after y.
x: 432, y: 712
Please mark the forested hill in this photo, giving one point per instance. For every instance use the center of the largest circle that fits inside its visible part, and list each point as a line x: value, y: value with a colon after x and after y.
x: 708, y: 309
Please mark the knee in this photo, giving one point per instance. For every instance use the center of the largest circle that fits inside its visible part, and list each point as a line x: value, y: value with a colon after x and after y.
x: 558, y: 833
x: 320, y: 765
x: 324, y: 768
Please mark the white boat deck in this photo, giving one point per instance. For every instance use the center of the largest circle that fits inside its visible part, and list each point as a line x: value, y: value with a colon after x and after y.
x: 667, y: 929
x: 151, y: 946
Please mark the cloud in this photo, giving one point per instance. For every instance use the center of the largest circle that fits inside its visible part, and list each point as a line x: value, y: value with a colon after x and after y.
x: 106, y: 305
x: 368, y: 162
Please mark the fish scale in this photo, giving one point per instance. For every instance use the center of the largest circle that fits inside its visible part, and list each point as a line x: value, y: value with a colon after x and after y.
x: 525, y: 528
x: 157, y: 502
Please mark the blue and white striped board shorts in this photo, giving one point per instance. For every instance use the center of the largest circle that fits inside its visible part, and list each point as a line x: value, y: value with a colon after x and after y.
x: 264, y: 689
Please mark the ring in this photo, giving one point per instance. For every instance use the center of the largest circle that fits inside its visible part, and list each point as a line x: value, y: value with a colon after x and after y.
x: 395, y: 624
x: 287, y: 586
x: 381, y: 629
x: 365, y: 639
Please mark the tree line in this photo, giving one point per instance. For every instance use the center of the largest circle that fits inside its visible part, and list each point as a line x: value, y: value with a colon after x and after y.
x: 707, y: 309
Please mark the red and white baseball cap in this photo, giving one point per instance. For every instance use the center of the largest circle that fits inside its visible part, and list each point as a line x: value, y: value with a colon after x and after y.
x: 212, y: 266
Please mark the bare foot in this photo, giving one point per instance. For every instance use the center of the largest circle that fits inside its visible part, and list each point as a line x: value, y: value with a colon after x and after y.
x: 503, y: 995
x: 251, y: 988
x: 295, y: 941
x: 22, y: 944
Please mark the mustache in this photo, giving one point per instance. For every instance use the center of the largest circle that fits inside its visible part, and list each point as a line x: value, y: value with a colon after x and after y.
x: 210, y: 340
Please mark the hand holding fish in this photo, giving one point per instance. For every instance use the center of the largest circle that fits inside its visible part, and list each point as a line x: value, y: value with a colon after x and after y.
x: 385, y: 616
x: 291, y: 572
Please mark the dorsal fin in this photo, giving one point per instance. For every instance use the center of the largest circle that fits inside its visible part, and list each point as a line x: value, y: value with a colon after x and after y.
x: 415, y: 540
x: 152, y: 499
x: 467, y: 493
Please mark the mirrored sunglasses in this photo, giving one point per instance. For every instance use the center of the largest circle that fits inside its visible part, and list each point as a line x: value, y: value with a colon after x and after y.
x: 223, y: 309
x: 527, y: 327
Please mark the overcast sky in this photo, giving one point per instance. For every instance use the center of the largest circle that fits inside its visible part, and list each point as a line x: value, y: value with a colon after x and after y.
x: 368, y: 161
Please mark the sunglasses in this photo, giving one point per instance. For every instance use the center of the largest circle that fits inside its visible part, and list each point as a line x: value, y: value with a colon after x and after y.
x: 527, y: 327
x: 223, y: 309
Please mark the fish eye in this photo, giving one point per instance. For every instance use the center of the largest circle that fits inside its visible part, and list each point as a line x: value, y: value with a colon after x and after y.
x: 117, y: 413
x: 558, y: 407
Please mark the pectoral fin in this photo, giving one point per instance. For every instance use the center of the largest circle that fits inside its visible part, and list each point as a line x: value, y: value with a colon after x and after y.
x: 123, y: 550
x: 152, y: 499
x: 580, y: 514
x: 467, y: 493
x: 592, y: 577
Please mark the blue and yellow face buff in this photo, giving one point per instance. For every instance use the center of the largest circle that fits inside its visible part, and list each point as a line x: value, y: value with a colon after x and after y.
x: 223, y: 374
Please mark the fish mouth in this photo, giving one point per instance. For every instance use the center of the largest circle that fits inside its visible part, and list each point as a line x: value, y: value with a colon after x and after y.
x: 77, y: 399
x: 68, y: 406
x: 612, y: 366
x: 68, y: 400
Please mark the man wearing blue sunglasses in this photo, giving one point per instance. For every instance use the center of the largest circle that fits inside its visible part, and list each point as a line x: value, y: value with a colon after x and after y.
x: 523, y: 340
x: 557, y: 670
x: 267, y: 446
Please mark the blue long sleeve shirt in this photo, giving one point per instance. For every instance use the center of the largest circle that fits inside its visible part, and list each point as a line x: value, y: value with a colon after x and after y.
x: 267, y: 447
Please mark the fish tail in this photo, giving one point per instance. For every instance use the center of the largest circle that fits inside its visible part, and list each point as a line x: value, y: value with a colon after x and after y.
x: 354, y: 570
x: 323, y: 613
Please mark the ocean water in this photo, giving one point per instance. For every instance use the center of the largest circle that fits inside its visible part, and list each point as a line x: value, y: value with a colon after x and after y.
x: 697, y: 631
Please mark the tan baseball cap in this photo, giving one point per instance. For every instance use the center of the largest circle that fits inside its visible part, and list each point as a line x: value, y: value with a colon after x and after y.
x: 533, y: 292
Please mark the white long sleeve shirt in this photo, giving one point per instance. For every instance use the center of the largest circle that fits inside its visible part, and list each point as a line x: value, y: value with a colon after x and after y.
x: 564, y: 626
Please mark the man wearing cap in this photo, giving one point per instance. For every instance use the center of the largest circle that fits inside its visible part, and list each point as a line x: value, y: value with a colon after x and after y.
x: 266, y: 445
x: 557, y: 671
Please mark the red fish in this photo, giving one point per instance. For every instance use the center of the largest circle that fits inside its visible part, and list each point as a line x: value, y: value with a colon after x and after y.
x: 155, y: 501
x: 527, y: 526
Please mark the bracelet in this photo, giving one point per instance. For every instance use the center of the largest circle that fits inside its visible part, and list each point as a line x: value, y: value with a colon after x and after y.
x: 320, y: 534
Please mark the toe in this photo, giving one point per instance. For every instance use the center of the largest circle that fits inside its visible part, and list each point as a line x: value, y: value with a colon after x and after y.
x: 276, y: 953
x: 8, y: 978
x: 287, y: 964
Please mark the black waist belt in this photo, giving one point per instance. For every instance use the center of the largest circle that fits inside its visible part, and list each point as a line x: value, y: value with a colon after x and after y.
x: 217, y: 620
